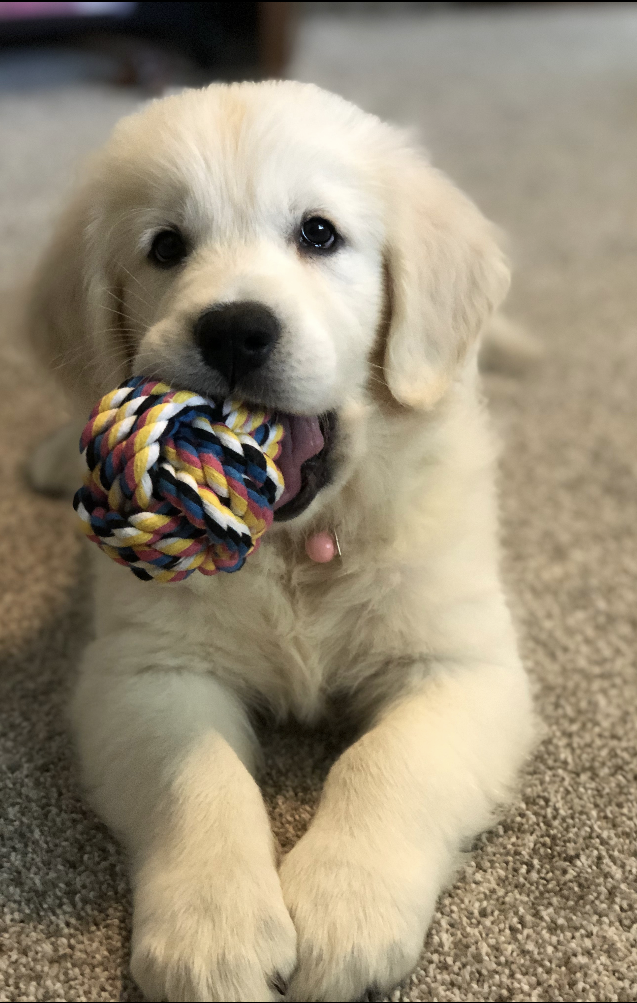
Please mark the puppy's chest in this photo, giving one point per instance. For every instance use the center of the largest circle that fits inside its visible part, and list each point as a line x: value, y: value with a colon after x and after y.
x: 297, y: 641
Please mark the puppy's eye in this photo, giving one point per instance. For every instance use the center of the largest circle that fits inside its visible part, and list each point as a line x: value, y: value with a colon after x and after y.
x: 168, y: 248
x: 318, y: 233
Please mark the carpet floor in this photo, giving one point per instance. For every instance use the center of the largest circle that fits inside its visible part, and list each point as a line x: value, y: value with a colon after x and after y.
x: 535, y: 114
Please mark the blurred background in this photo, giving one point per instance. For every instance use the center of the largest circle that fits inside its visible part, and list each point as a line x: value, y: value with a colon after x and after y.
x: 532, y: 109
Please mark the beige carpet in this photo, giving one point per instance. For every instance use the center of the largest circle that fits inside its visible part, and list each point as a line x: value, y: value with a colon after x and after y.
x: 536, y: 115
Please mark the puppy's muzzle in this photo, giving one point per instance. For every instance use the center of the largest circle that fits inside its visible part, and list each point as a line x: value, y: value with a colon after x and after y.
x: 235, y: 341
x: 236, y: 338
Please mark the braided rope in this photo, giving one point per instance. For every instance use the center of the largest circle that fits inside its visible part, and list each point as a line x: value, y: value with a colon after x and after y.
x: 175, y: 483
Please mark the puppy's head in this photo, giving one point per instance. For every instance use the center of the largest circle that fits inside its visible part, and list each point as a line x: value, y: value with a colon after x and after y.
x: 259, y: 240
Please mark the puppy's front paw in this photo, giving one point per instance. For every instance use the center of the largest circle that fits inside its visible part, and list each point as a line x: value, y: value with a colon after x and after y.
x: 225, y: 936
x: 360, y: 916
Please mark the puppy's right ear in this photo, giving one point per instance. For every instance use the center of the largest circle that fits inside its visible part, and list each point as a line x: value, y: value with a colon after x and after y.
x: 71, y: 305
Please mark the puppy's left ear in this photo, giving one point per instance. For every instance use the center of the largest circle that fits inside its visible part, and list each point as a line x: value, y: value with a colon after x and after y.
x: 447, y: 276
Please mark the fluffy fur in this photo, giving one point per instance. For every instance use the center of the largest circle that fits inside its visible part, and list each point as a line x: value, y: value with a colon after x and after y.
x: 409, y: 632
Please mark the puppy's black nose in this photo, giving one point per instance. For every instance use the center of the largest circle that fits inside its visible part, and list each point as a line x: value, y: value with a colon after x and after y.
x: 235, y: 338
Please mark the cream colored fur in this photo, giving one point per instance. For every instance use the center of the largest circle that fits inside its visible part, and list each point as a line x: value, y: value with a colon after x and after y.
x: 409, y: 632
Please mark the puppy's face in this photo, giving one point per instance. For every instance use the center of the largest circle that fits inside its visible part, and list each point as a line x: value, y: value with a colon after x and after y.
x: 238, y: 240
x: 250, y: 252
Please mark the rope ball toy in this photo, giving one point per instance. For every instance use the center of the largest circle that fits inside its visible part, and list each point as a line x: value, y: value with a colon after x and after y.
x: 176, y: 483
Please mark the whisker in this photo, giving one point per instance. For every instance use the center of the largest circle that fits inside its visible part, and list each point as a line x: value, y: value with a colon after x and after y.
x: 115, y: 355
x: 133, y: 313
x: 135, y: 279
x: 118, y: 299
x: 79, y: 350
x: 381, y: 383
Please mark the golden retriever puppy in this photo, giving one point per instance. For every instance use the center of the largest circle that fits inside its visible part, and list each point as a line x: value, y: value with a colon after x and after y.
x: 273, y: 241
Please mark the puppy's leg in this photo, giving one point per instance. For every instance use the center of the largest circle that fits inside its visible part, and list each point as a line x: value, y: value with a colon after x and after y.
x: 166, y: 753
x: 397, y: 808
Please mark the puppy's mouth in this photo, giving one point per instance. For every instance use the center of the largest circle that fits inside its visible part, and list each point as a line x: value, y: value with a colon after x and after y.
x: 305, y: 461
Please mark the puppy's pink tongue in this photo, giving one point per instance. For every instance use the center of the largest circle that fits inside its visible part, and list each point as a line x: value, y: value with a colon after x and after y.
x: 302, y: 439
